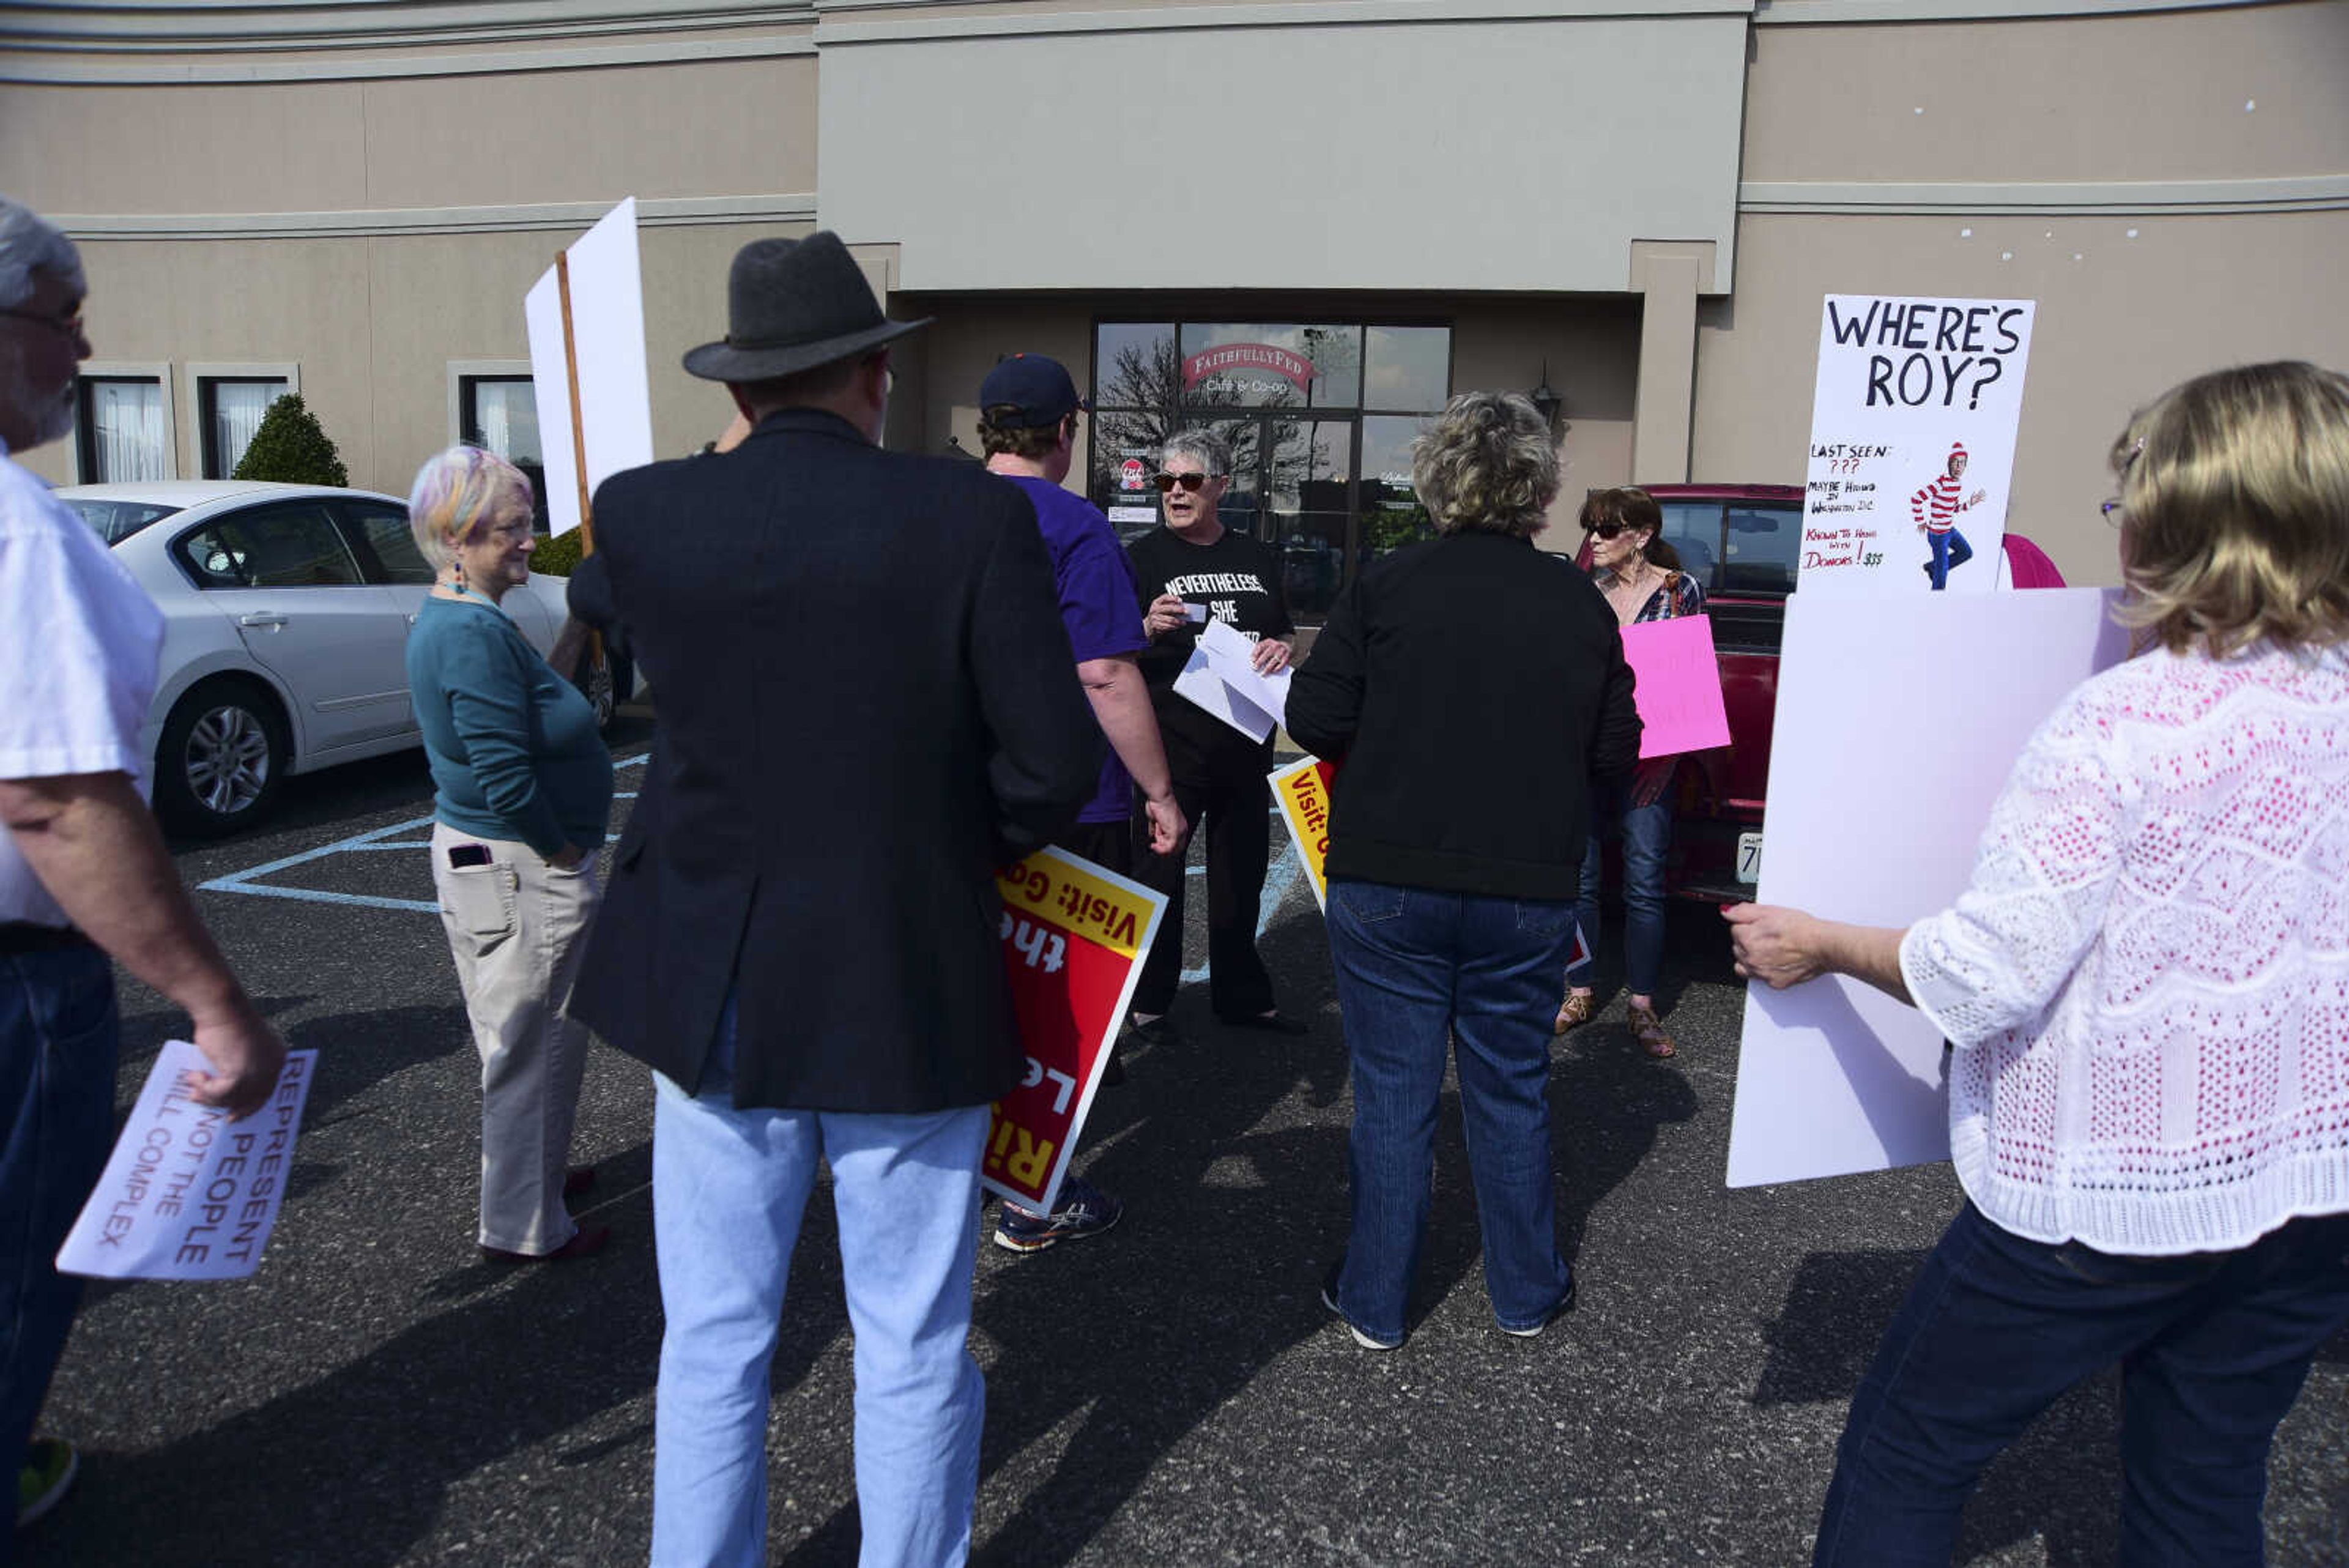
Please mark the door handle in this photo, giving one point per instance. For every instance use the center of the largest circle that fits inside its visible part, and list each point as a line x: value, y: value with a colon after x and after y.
x: 262, y: 617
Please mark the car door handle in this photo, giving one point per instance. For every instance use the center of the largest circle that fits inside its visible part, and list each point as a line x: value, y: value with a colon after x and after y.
x: 262, y: 617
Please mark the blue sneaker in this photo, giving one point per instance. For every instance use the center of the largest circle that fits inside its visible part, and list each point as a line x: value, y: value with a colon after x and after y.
x: 1085, y: 1210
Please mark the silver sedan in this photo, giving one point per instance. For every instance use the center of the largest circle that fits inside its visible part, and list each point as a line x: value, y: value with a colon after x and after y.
x: 286, y: 609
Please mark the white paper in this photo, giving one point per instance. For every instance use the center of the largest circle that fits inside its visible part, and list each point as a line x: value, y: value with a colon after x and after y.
x: 1899, y: 721
x: 189, y: 1194
x: 1233, y: 659
x: 608, y: 323
x: 1903, y: 385
x: 1133, y: 514
x: 1200, y: 683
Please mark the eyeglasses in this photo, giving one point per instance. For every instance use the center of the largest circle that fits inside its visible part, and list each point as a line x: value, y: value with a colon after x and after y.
x: 1608, y: 530
x: 2114, y: 512
x: 1190, y: 481
x: 69, y: 325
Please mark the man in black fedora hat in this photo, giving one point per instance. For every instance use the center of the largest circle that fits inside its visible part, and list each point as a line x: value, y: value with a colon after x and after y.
x: 868, y: 703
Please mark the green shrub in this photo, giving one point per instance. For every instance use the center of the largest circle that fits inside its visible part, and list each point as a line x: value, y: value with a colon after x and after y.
x: 557, y: 556
x: 290, y: 448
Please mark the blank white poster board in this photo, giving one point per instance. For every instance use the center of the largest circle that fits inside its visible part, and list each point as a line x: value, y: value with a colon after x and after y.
x: 1899, y: 721
x: 606, y: 346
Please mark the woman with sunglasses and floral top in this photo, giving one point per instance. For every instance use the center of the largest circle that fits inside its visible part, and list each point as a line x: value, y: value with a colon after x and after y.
x: 1640, y: 574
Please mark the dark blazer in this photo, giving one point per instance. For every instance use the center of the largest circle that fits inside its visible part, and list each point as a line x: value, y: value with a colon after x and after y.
x: 1472, y: 686
x: 866, y: 700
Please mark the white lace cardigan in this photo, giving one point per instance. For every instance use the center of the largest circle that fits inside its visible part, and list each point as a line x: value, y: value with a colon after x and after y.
x: 2148, y: 979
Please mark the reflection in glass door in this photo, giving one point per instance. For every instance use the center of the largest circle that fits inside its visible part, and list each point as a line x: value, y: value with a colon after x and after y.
x: 1307, y: 465
x: 1319, y: 416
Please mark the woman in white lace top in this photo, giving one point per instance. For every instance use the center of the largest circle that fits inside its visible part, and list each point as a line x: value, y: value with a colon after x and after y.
x: 2147, y: 986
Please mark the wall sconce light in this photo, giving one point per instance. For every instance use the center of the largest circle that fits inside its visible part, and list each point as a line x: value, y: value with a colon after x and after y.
x: 1545, y: 399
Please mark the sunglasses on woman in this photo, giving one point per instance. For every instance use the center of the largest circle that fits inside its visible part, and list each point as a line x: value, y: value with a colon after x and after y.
x: 1166, y: 482
x: 1609, y: 530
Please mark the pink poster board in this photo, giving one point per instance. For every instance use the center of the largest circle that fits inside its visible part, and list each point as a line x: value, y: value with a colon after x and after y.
x: 1679, y: 689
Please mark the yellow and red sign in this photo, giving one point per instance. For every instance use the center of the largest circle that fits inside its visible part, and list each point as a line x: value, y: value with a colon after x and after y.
x: 1074, y: 935
x: 1302, y: 788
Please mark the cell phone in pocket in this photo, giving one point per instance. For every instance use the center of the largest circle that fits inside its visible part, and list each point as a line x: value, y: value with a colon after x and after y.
x: 469, y: 855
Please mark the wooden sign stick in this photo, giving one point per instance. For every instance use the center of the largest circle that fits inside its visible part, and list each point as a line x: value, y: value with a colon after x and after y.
x: 596, y: 657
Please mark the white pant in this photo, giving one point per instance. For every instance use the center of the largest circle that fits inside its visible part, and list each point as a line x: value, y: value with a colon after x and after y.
x: 514, y: 928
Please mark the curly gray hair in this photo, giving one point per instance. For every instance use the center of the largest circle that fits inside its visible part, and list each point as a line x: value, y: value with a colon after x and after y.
x: 1490, y: 464
x: 1214, y: 453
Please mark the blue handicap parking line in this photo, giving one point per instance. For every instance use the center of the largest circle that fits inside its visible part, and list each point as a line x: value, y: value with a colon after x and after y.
x: 1279, y: 877
x: 379, y: 839
x: 243, y: 881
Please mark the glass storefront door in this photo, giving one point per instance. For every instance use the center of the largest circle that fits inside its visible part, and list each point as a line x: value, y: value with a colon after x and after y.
x: 1319, y: 417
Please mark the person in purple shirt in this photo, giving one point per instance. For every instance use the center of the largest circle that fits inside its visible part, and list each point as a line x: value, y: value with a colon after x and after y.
x: 1029, y: 409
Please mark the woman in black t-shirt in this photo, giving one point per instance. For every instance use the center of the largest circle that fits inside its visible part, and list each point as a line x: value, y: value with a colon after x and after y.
x: 1187, y: 573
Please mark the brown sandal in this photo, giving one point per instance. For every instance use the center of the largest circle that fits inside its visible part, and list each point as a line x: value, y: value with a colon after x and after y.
x: 1573, y: 1012
x: 1648, y: 1030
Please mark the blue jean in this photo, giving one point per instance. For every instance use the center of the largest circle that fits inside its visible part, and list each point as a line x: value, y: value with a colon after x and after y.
x: 1646, y: 833
x: 58, y: 1038
x: 1415, y: 969
x: 729, y: 1188
x: 2213, y: 1347
x: 1949, y: 551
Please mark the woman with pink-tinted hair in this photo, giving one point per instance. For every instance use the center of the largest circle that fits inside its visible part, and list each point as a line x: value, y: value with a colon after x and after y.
x: 522, y: 797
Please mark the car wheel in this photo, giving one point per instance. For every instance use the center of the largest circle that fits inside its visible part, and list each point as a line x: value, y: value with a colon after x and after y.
x: 221, y: 758
x: 596, y: 685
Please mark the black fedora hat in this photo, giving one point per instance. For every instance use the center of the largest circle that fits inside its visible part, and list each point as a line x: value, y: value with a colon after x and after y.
x: 791, y: 306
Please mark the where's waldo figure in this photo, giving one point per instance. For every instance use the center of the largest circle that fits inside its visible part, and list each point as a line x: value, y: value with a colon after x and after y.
x: 1936, y: 508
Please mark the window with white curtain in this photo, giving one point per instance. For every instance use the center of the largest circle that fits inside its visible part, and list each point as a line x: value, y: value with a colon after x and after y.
x: 231, y: 407
x: 500, y: 414
x: 125, y: 433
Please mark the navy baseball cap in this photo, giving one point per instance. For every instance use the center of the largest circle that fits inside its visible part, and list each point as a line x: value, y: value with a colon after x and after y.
x: 1039, y: 389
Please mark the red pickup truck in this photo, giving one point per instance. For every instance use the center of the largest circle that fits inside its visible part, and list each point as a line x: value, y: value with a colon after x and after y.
x: 1740, y: 541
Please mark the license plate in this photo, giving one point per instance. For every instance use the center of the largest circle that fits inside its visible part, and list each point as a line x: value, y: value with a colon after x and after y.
x: 1749, y: 858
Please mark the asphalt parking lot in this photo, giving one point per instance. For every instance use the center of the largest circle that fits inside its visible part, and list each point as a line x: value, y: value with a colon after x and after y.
x: 1172, y: 1393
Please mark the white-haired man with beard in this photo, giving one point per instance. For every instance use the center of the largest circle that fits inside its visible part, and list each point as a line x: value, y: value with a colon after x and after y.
x: 83, y: 871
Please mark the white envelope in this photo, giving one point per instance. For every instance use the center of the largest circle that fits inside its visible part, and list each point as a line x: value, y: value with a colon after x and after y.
x: 1232, y: 657
x: 1200, y: 683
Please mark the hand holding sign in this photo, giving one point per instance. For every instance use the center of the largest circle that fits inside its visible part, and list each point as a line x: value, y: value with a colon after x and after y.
x: 189, y: 1194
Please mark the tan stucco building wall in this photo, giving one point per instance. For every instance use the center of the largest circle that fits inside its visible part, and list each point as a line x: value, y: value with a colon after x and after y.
x: 320, y: 188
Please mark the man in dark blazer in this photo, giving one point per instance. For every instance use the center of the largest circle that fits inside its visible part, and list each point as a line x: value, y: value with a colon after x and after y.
x: 868, y: 703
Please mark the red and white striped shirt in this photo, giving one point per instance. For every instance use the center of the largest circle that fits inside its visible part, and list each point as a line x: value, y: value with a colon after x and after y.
x: 1936, y: 507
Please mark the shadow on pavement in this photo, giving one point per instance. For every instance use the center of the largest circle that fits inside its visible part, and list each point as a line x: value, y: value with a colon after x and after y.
x: 1114, y: 1349
x: 543, y: 1352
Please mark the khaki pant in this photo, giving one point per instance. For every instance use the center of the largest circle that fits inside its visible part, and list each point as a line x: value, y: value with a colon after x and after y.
x: 514, y: 928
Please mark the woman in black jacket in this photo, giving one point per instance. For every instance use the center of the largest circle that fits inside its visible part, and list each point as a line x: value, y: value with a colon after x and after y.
x: 1472, y: 686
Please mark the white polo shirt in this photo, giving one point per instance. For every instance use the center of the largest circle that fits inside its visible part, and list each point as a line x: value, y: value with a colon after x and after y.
x: 79, y: 640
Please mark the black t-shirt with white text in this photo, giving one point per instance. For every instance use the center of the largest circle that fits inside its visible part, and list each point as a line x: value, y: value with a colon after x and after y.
x: 1237, y: 578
